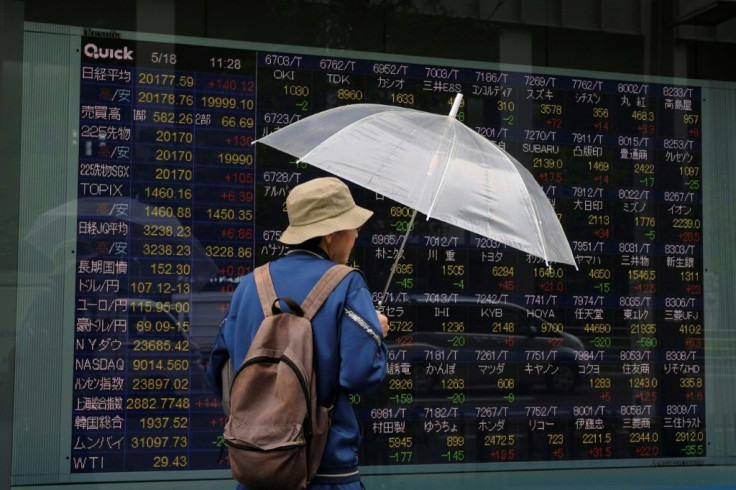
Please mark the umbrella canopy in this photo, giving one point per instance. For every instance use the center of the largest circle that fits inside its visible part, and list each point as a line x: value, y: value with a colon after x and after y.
x: 434, y: 164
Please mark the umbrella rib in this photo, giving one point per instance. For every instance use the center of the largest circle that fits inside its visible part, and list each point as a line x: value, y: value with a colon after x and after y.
x: 537, y: 221
x: 450, y: 152
x: 539, y: 231
x: 535, y: 217
x: 527, y: 197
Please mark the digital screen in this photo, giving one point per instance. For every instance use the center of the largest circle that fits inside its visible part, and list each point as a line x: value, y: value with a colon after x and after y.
x: 494, y: 357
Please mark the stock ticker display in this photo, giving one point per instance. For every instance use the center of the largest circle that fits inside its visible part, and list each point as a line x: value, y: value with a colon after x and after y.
x: 494, y: 357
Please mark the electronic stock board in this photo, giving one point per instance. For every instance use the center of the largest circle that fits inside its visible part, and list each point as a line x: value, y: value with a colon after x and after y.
x: 494, y: 357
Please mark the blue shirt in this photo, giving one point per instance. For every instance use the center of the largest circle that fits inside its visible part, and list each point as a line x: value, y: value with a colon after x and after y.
x: 348, y: 345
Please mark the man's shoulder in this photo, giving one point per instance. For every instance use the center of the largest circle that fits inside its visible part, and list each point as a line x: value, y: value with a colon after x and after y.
x: 301, y: 264
x: 307, y: 270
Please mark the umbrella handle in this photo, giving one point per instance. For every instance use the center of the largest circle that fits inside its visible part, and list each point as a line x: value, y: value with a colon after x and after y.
x: 396, y: 260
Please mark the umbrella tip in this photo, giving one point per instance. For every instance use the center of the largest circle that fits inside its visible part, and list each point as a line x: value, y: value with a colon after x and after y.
x: 456, y: 104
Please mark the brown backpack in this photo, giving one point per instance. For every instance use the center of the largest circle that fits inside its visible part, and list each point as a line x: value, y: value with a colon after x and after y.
x: 276, y: 432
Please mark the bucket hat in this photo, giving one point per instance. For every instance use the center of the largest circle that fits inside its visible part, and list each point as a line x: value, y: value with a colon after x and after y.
x: 319, y: 207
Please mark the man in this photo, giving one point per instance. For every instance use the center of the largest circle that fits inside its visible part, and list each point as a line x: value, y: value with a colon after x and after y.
x: 349, y: 351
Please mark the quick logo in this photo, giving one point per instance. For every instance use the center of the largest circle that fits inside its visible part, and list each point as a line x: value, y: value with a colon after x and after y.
x: 92, y: 51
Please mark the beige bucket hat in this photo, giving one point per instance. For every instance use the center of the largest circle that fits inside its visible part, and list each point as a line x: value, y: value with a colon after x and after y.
x: 319, y: 207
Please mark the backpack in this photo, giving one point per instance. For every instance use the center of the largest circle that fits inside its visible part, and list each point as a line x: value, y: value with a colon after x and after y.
x: 276, y: 432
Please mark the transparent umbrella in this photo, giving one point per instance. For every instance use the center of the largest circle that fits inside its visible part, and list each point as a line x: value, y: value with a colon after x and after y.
x: 434, y: 164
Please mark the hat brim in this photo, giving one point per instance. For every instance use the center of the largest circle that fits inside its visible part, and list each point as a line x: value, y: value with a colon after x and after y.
x: 349, y: 220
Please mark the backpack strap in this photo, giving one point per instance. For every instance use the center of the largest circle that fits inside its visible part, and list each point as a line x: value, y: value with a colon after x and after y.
x: 313, y: 301
x: 264, y: 286
x: 323, y: 288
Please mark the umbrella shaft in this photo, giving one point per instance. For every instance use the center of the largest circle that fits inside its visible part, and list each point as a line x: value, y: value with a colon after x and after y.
x: 398, y: 257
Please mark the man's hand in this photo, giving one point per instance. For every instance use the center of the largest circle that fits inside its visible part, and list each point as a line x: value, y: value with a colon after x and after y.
x: 384, y: 323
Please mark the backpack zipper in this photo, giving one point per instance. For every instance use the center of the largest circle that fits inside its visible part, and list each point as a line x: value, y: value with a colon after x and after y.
x: 251, y: 448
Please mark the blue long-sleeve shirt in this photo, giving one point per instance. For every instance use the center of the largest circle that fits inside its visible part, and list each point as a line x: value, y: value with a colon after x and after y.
x: 349, y: 349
